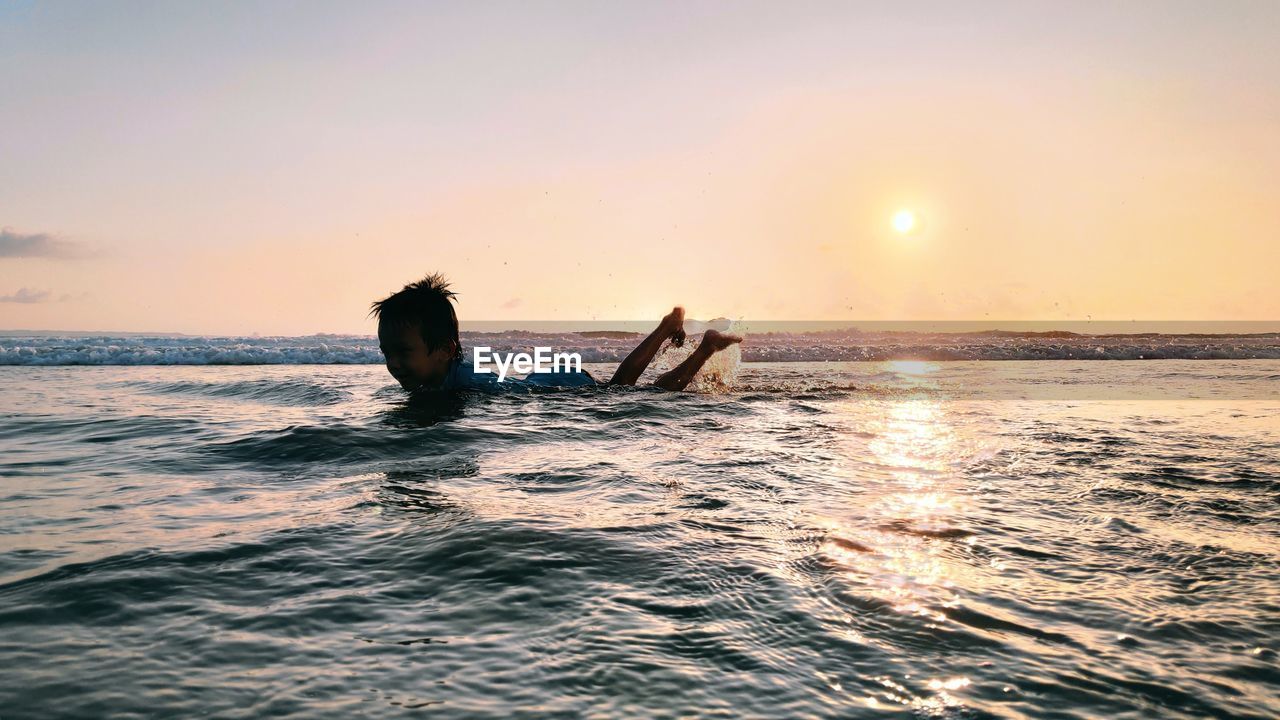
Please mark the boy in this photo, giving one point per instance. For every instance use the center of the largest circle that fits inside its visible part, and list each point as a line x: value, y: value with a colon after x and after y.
x: 418, y: 335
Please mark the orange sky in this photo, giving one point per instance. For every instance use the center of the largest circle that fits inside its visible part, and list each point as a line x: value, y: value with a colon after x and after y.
x: 238, y: 170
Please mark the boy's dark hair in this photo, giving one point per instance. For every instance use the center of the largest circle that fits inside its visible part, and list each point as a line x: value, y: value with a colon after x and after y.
x: 428, y: 304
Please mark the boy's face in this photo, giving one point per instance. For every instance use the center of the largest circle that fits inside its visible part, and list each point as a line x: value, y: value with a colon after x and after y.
x: 409, y: 361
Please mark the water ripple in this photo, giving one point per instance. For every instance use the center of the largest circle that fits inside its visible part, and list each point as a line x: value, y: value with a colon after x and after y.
x: 816, y: 542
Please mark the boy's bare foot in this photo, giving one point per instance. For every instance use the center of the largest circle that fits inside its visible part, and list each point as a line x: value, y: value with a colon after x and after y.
x: 678, y: 378
x: 673, y: 326
x: 670, y: 328
x: 715, y: 341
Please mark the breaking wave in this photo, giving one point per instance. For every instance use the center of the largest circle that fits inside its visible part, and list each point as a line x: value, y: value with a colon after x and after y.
x: 828, y: 346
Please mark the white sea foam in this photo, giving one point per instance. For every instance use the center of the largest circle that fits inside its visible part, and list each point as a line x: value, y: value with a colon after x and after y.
x: 848, y: 345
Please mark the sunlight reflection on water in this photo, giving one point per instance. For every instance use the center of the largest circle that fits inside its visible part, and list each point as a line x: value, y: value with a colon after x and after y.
x: 892, y: 556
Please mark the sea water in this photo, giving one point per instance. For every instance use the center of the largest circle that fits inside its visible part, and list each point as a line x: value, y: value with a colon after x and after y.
x: 1051, y: 538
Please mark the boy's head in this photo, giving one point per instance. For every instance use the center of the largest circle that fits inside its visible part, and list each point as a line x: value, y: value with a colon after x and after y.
x: 418, y: 332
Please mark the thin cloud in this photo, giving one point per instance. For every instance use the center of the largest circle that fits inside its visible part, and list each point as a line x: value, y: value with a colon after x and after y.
x: 511, y: 304
x: 28, y: 245
x: 26, y: 296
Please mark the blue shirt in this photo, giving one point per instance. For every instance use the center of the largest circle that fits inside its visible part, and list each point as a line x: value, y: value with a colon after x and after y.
x: 462, y: 376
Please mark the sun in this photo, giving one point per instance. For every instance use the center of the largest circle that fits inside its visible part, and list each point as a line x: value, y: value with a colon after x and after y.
x: 904, y: 221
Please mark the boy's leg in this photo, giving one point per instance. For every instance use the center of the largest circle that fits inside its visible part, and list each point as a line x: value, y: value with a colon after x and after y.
x: 671, y: 327
x: 713, y: 341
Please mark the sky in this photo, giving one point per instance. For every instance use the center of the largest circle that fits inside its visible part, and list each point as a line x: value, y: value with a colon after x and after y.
x: 272, y: 168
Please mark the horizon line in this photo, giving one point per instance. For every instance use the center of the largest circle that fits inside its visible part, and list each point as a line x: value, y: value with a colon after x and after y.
x: 641, y: 326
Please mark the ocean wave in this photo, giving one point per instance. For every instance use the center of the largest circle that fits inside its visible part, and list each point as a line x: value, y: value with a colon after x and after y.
x: 842, y: 346
x: 312, y: 350
x: 285, y: 392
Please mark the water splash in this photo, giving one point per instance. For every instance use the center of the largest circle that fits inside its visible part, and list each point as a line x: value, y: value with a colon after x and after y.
x: 719, y: 372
